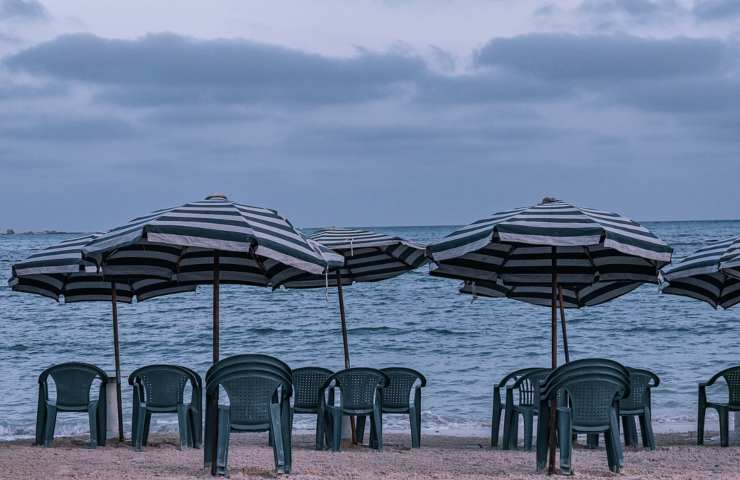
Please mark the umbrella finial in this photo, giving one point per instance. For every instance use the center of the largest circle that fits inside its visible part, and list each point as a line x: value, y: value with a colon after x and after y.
x: 549, y: 200
x: 217, y: 196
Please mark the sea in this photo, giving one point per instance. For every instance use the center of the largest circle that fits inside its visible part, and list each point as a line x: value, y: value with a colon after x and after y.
x: 463, y: 346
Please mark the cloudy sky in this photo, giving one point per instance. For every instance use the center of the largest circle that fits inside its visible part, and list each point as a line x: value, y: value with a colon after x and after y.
x: 371, y: 112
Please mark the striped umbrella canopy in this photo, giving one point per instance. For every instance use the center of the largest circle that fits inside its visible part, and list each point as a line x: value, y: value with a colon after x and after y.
x: 368, y: 257
x: 60, y: 271
x: 711, y: 274
x: 212, y: 241
x: 553, y: 254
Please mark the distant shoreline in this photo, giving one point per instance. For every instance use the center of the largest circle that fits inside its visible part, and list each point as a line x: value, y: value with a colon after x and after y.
x: 9, y: 232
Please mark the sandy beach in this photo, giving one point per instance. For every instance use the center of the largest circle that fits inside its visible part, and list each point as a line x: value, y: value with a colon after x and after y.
x: 442, y: 457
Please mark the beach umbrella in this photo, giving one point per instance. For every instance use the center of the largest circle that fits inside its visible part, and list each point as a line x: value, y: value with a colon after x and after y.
x: 553, y: 254
x: 211, y: 242
x: 60, y: 272
x: 711, y: 274
x: 368, y: 257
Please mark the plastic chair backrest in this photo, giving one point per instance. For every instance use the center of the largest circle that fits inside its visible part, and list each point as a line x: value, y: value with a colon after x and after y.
x: 579, y: 368
x: 592, y: 399
x: 515, y: 375
x: 358, y: 386
x: 528, y: 386
x: 307, y: 383
x: 247, y: 358
x: 73, y: 382
x: 250, y: 392
x: 398, y: 391
x: 640, y: 383
x: 732, y: 377
x: 164, y: 385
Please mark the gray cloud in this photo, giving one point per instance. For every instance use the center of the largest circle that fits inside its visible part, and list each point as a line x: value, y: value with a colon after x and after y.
x: 603, y: 57
x: 26, y: 10
x: 17, y: 91
x: 167, y: 68
x: 67, y: 128
x: 632, y: 8
x: 686, y: 95
x: 716, y: 9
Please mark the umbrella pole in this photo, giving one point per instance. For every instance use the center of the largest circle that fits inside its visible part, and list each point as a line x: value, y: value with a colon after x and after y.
x: 562, y: 324
x: 117, y: 355
x: 216, y: 335
x: 216, y: 281
x: 345, y: 342
x: 554, y: 359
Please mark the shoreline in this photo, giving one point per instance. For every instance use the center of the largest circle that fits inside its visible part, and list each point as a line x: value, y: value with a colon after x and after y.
x: 441, y: 456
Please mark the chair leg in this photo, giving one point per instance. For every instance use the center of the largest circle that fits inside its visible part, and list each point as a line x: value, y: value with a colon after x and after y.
x: 506, y: 437
x: 183, y: 426
x: 210, y: 437
x: 219, y: 465
x: 320, y: 431
x: 543, y: 435
x: 700, y: 424
x: 592, y: 440
x: 616, y: 444
x: 101, y: 413
x: 147, y: 424
x: 373, y: 440
x: 134, y: 421
x: 138, y: 437
x: 495, y: 423
x: 92, y: 415
x: 646, y: 430
x: 565, y: 437
x: 40, y: 418
x: 336, y: 428
x: 377, y: 419
x: 278, y: 447
x: 724, y: 420
x: 196, y: 427
x: 514, y: 431
x: 528, y: 429
x: 360, y: 429
x: 630, y: 430
x: 415, y: 424
x: 286, y: 430
x: 612, y: 457
x: 51, y: 420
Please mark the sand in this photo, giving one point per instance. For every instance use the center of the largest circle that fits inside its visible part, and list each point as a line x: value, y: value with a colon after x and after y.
x: 443, y: 457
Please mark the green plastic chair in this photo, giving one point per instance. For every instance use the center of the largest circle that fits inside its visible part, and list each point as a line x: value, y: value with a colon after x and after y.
x: 161, y: 389
x: 404, y: 384
x: 234, y: 360
x: 361, y: 395
x: 307, y: 383
x: 526, y: 389
x: 731, y: 376
x: 73, y: 382
x: 639, y: 404
x: 498, y: 404
x: 259, y: 401
x: 588, y: 391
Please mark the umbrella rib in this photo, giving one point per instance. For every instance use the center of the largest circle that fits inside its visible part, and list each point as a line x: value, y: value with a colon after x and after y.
x: 259, y: 262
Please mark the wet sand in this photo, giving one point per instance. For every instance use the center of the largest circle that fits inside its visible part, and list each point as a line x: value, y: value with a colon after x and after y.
x: 441, y: 457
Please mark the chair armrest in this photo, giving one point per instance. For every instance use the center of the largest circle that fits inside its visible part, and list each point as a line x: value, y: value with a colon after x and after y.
x: 509, y: 398
x: 497, y: 392
x: 703, y: 392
